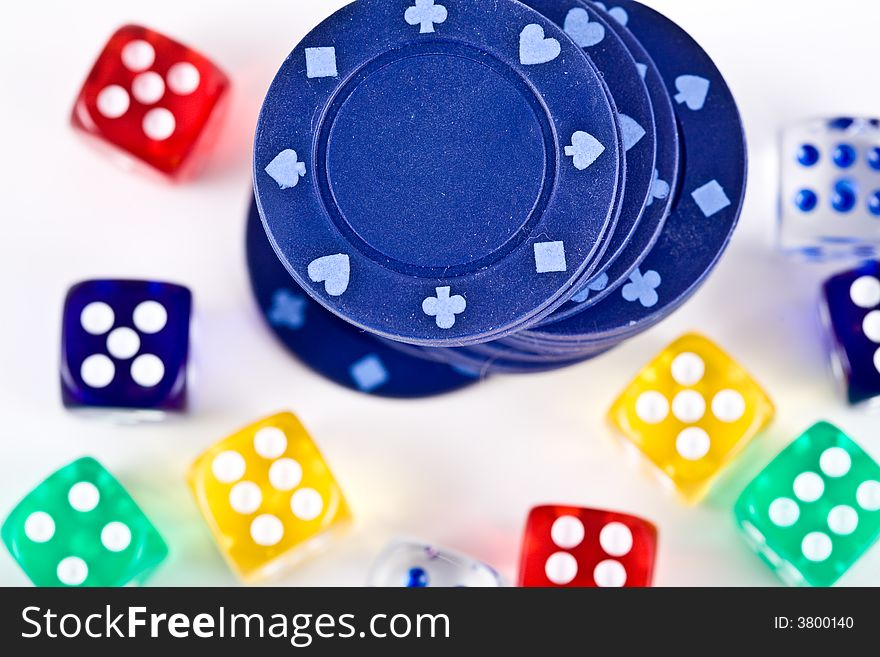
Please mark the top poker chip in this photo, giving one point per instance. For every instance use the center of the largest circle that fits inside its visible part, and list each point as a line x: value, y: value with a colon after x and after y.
x: 437, y: 172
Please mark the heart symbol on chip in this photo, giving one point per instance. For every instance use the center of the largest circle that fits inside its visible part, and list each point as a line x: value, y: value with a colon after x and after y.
x: 617, y: 13
x: 581, y: 30
x: 692, y: 90
x: 535, y: 49
x: 334, y: 271
x: 584, y: 150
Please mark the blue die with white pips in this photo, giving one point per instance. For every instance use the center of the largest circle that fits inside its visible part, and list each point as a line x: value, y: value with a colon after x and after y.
x: 125, y: 347
x: 850, y: 307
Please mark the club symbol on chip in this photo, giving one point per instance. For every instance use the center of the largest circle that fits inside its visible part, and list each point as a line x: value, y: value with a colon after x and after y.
x: 582, y: 31
x: 534, y: 48
x: 334, y: 271
x: 597, y: 284
x: 288, y: 310
x: 617, y: 13
x: 425, y: 13
x: 444, y: 307
x: 584, y: 150
x: 631, y: 130
x: 643, y: 288
x: 286, y: 169
x: 692, y: 91
x: 659, y: 189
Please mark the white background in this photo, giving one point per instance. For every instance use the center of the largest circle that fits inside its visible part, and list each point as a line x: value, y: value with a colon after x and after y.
x: 462, y: 470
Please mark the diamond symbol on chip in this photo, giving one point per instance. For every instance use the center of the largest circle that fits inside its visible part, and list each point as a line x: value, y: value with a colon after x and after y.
x: 444, y: 307
x: 711, y: 198
x: 321, y: 62
x: 584, y: 150
x: 286, y: 169
x: 369, y: 373
x: 550, y: 257
x: 425, y: 13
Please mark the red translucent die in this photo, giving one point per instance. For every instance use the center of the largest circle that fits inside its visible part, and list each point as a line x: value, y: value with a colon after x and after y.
x: 576, y: 547
x: 154, y: 99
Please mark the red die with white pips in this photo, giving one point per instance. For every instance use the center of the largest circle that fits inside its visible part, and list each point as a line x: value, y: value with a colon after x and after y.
x: 577, y: 547
x: 154, y: 99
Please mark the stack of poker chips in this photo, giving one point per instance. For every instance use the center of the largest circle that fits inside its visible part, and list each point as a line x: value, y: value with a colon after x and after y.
x: 446, y: 189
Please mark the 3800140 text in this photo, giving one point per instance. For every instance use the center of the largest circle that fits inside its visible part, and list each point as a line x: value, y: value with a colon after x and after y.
x: 814, y: 623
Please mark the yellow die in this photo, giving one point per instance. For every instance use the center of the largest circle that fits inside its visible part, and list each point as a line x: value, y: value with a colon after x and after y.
x: 691, y: 411
x: 268, y: 495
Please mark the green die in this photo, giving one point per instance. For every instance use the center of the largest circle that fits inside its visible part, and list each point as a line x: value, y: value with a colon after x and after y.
x: 815, y: 509
x: 81, y: 528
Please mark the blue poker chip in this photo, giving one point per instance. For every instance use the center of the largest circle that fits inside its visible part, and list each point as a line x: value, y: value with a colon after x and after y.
x: 707, y: 203
x: 624, y: 77
x: 438, y: 172
x: 664, y: 180
x: 475, y: 359
x: 500, y: 352
x: 514, y: 363
x: 332, y: 347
